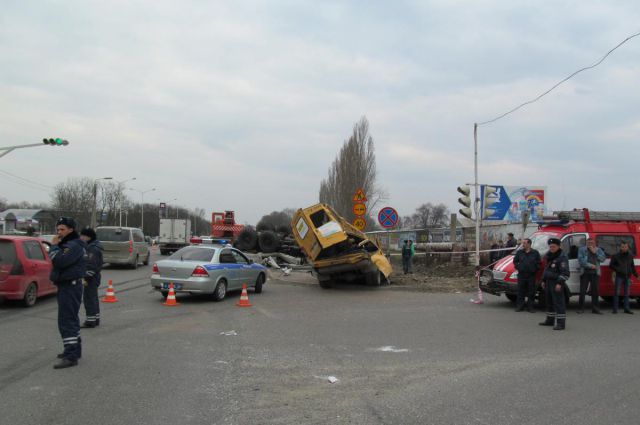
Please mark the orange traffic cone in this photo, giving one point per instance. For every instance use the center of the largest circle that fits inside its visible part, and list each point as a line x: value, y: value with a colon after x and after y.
x: 171, y: 298
x: 244, y: 298
x: 111, y: 295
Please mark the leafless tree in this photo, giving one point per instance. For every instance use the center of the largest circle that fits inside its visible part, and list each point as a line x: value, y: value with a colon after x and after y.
x: 354, y: 168
x: 429, y: 216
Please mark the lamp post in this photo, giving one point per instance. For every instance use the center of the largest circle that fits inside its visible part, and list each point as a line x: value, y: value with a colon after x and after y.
x: 120, y: 189
x: 95, y: 200
x: 142, y: 192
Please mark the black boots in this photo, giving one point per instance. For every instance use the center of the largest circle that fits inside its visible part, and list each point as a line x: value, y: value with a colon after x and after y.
x: 65, y: 363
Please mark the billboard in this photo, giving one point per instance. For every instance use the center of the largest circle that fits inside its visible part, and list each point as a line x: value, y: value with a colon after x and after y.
x: 511, y: 201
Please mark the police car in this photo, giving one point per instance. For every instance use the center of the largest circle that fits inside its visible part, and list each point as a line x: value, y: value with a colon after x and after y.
x: 207, y: 269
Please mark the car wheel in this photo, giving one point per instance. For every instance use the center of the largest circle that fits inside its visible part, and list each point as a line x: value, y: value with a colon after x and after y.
x: 146, y: 262
x: 30, y: 295
x: 221, y: 290
x: 259, y: 283
x: 134, y: 266
x: 511, y: 297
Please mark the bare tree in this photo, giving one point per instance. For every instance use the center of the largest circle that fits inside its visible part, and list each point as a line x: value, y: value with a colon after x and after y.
x: 429, y: 216
x: 354, y: 168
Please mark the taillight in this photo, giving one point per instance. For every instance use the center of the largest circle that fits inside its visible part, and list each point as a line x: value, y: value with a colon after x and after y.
x: 155, y: 268
x: 195, y: 240
x: 200, y: 272
x: 130, y: 247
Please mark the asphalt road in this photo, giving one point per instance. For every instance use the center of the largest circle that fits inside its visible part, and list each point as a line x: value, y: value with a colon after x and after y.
x: 400, y: 358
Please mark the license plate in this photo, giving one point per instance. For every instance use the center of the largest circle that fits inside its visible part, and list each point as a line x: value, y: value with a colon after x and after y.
x: 176, y: 286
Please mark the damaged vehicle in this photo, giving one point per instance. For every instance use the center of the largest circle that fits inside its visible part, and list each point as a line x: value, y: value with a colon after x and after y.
x: 337, y: 250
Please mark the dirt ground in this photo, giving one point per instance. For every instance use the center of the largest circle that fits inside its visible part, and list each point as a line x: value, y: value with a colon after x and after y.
x: 447, y: 277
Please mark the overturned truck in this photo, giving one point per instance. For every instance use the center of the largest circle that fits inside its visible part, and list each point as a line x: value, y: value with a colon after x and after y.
x: 336, y: 250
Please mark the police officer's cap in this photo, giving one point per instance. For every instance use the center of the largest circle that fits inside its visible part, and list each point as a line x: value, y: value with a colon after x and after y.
x: 89, y: 232
x: 66, y: 221
x: 553, y: 241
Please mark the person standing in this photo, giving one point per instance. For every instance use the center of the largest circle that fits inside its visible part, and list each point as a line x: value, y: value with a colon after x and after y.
x: 590, y: 257
x: 92, y: 277
x: 554, y: 277
x: 622, y: 264
x: 412, y: 252
x: 406, y: 256
x: 69, y: 267
x: 527, y: 261
x: 511, y: 242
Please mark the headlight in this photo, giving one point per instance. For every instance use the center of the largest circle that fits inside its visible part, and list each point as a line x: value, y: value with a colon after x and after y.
x: 514, y: 275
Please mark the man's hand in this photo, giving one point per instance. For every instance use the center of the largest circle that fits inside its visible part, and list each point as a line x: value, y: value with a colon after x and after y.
x: 558, y: 287
x: 55, y: 240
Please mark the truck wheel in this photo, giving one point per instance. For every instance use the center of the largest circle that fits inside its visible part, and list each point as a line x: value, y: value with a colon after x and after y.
x: 259, y: 283
x: 247, y: 240
x: 511, y: 297
x: 285, y: 229
x: 324, y: 281
x: 30, y: 295
x: 269, y: 241
x: 374, y: 278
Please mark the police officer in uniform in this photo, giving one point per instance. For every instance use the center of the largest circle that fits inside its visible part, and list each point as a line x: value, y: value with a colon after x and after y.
x: 92, y: 277
x: 554, y: 278
x: 69, y: 267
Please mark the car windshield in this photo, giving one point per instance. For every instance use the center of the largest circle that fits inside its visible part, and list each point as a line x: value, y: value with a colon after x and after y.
x: 539, y: 242
x: 113, y: 234
x: 192, y: 253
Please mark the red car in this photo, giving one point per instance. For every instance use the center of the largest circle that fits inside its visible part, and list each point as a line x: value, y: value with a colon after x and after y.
x: 24, y: 269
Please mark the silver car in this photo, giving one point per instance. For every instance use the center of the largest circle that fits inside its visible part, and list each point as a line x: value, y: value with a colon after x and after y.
x: 212, y: 269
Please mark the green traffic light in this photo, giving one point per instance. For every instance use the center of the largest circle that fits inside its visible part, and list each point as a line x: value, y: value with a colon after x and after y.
x: 58, y: 141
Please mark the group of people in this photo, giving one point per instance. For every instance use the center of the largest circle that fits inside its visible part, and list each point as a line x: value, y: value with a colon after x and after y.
x: 502, y: 249
x: 556, y: 272
x: 77, y: 263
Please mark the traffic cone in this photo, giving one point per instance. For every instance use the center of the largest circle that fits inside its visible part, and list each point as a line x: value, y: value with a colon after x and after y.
x: 244, y: 297
x: 171, y: 298
x: 110, y: 297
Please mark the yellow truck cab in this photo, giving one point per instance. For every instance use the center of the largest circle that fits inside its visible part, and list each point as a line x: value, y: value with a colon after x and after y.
x: 336, y: 249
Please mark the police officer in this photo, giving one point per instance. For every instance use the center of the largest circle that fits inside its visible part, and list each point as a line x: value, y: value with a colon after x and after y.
x: 69, y: 267
x: 554, y: 277
x: 92, y: 277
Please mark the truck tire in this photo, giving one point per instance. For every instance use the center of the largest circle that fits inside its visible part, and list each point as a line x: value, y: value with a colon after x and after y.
x: 269, y: 241
x: 247, y: 240
x: 374, y: 278
x: 284, y: 229
x: 324, y: 281
x: 265, y: 227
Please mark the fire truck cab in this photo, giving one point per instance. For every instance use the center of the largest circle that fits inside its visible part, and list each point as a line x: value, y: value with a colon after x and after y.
x: 573, y: 228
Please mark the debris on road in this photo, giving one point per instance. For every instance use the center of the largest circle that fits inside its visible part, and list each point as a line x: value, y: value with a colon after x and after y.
x: 331, y: 379
x: 392, y: 349
x: 229, y: 333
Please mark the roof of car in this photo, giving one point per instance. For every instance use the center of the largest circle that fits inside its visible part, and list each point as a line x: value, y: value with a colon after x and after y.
x: 20, y: 237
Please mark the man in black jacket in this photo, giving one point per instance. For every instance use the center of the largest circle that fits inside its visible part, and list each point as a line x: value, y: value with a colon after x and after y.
x: 68, y: 258
x: 622, y: 264
x: 527, y: 262
x: 554, y: 278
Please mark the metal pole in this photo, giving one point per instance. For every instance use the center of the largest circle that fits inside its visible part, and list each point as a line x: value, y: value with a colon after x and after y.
x: 93, y: 206
x: 120, y: 202
x: 477, y: 192
x: 142, y: 213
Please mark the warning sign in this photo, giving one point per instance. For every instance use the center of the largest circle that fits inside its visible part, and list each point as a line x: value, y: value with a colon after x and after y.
x: 359, y: 209
x: 359, y: 196
x: 359, y: 223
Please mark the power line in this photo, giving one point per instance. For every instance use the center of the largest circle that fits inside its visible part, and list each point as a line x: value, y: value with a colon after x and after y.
x: 559, y: 83
x: 25, y: 182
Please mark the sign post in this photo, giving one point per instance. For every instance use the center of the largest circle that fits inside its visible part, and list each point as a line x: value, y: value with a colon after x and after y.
x: 388, y: 218
x: 359, y: 210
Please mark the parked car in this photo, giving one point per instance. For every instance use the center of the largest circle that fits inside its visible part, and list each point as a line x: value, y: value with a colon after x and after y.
x: 123, y: 245
x: 25, y: 267
x: 207, y: 269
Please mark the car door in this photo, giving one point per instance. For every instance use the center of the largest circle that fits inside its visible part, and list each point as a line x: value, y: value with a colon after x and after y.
x: 140, y: 245
x: 231, y: 268
x: 36, y: 265
x: 245, y: 271
x: 570, y: 246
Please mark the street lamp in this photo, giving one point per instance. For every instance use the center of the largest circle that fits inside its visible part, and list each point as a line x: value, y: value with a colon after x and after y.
x: 120, y: 189
x: 95, y: 200
x: 142, y: 192
x: 45, y: 142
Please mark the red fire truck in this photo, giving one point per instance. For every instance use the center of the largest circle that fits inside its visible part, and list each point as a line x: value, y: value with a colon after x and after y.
x: 573, y: 228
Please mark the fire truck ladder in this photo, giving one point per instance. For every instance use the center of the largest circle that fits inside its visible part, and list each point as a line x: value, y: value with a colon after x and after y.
x: 586, y: 215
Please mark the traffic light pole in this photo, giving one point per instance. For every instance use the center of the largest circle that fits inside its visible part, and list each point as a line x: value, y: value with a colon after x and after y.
x: 8, y: 149
x: 476, y: 205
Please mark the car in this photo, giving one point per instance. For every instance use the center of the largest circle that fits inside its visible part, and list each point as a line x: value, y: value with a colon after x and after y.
x: 207, y: 269
x: 25, y: 268
x: 123, y: 246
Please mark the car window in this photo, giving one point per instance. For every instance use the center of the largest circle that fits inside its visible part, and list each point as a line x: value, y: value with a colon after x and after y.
x: 138, y: 236
x: 8, y: 252
x: 191, y: 253
x: 32, y: 250
x: 610, y: 244
x: 112, y: 234
x: 240, y: 259
x: 572, y: 243
x: 226, y: 257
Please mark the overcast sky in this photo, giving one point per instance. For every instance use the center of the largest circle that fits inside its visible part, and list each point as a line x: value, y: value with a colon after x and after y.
x: 243, y: 105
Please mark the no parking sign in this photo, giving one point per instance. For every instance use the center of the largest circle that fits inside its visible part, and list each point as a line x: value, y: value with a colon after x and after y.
x: 388, y: 217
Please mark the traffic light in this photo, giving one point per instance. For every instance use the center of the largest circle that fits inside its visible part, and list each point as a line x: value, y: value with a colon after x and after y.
x: 55, y: 142
x: 466, y: 201
x: 488, y: 199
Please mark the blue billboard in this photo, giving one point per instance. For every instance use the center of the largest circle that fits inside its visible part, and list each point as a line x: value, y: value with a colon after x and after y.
x: 512, y: 201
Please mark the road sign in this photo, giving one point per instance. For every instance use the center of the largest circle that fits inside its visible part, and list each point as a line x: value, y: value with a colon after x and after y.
x: 388, y: 217
x: 359, y: 209
x: 360, y: 223
x: 359, y: 196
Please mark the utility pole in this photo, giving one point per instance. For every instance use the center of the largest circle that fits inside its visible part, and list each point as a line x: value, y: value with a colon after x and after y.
x: 95, y: 200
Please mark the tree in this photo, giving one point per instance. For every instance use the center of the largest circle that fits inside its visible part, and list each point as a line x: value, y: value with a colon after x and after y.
x: 354, y: 168
x: 429, y: 216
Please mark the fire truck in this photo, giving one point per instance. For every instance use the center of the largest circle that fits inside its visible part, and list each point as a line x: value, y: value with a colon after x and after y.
x: 223, y: 229
x: 573, y: 228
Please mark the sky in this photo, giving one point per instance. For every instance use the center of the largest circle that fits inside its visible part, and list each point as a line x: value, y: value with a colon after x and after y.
x: 243, y: 105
